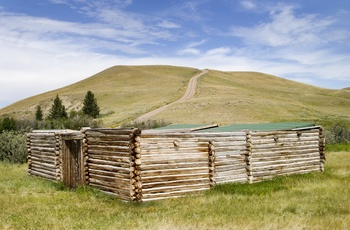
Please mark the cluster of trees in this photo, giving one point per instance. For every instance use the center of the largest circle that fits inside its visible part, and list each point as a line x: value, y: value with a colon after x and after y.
x: 58, y: 118
x: 13, y: 132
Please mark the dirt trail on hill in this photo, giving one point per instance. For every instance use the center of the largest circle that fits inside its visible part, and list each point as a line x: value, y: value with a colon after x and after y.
x: 191, y: 89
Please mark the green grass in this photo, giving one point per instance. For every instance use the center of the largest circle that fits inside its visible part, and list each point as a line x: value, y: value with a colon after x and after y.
x: 309, y: 201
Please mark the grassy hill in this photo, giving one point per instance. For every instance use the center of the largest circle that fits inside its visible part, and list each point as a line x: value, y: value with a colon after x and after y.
x: 125, y: 92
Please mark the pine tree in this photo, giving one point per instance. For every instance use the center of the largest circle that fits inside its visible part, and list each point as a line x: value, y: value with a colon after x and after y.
x: 90, y: 106
x: 57, y: 111
x: 38, y: 114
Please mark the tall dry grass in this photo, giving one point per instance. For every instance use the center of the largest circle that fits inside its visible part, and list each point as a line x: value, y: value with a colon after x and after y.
x: 310, y: 201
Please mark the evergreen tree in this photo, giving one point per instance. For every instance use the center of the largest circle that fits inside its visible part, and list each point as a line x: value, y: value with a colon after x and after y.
x: 38, y: 114
x: 8, y: 124
x: 57, y: 111
x: 90, y: 106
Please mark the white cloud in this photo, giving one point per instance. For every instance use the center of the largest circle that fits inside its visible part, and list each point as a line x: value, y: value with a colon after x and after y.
x: 285, y: 28
x: 168, y: 25
x: 249, y: 5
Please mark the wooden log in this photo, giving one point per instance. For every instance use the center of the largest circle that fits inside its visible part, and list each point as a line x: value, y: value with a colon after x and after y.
x: 122, y: 159
x: 98, y: 142
x: 41, y: 174
x: 155, y: 178
x: 109, y: 168
x: 107, y: 153
x: 120, y: 176
x: 51, y: 174
x: 172, y: 194
x: 256, y: 163
x: 161, y: 165
x: 112, y: 163
x: 189, y: 171
x: 176, y: 188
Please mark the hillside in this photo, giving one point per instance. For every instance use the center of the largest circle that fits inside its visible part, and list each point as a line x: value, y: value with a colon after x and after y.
x: 126, y: 92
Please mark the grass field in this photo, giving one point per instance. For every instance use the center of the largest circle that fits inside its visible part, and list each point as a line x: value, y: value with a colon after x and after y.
x: 309, y: 201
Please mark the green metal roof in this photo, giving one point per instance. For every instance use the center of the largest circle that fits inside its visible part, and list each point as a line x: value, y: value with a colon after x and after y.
x: 260, y: 127
x: 184, y: 126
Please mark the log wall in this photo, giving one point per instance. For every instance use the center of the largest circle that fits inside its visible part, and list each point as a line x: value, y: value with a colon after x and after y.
x: 230, y: 156
x: 284, y: 152
x: 157, y: 165
x: 111, y: 163
x: 173, y: 165
x: 44, y: 156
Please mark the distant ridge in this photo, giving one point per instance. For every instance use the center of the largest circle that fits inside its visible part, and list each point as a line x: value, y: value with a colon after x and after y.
x: 127, y: 92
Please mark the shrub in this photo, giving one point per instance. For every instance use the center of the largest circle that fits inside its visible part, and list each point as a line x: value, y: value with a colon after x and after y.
x: 148, y: 124
x: 13, y: 146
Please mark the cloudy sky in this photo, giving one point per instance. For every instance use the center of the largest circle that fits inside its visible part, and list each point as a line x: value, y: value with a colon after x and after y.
x: 48, y: 44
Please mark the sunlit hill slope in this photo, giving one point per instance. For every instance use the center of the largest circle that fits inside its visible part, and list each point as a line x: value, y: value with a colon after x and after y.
x: 126, y: 92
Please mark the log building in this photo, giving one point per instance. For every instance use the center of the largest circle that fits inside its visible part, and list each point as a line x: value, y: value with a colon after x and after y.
x: 174, y: 161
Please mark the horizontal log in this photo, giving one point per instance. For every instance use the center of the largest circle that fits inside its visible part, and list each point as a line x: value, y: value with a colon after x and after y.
x: 152, y: 178
x: 120, y: 176
x: 172, y: 194
x: 222, y: 163
x: 112, y: 163
x: 173, y: 155
x: 48, y: 157
x: 175, y: 188
x: 110, y: 180
x: 44, y: 166
x: 220, y: 153
x: 98, y: 142
x: 41, y: 174
x: 173, y: 161
x: 279, y: 144
x: 286, y: 171
x: 162, y: 184
x: 50, y: 174
x: 258, y: 168
x: 42, y: 135
x: 161, y: 166
x: 124, y: 198
x: 231, y: 179
x: 189, y: 171
x: 284, y: 152
x: 229, y: 168
x: 282, y: 161
x: 46, y: 160
x: 267, y: 133
x: 126, y: 131
x: 108, y: 153
x: 125, y: 159
x: 109, y: 148
x: 125, y: 194
x: 109, y: 168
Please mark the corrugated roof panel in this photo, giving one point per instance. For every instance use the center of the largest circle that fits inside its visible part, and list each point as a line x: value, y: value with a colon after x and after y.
x: 260, y: 127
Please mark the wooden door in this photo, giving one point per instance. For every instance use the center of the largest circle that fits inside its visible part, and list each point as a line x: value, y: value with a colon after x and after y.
x: 72, y: 163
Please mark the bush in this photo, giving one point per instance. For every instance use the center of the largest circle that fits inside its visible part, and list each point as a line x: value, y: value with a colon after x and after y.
x: 13, y: 146
x: 338, y: 131
x: 148, y: 124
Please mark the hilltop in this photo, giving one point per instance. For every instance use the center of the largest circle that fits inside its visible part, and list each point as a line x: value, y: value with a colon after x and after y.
x: 126, y: 92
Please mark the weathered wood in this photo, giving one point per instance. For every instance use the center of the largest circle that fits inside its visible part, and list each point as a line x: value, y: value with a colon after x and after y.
x: 109, y: 168
x: 120, y: 176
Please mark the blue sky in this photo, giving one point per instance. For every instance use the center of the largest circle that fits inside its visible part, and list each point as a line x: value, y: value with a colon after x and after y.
x: 48, y: 44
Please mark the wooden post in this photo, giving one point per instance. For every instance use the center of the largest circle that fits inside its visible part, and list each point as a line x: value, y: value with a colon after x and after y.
x: 322, y: 146
x: 248, y: 157
x: 135, y: 166
x: 211, y: 160
x: 29, y: 157
x: 85, y: 157
x: 58, y: 157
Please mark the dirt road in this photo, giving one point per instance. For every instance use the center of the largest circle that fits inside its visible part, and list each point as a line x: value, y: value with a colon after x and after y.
x: 191, y: 89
